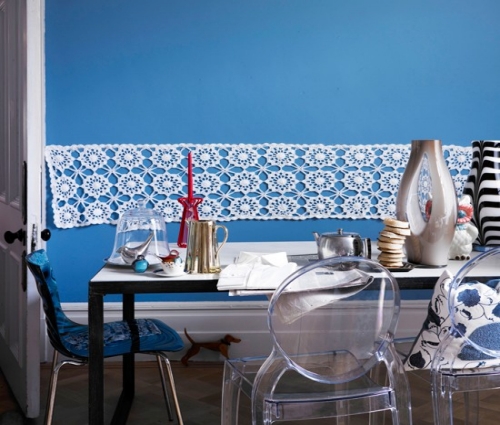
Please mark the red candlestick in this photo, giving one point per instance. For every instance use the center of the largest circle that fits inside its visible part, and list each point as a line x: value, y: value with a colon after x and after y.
x: 190, y: 212
x: 190, y: 176
x: 190, y: 204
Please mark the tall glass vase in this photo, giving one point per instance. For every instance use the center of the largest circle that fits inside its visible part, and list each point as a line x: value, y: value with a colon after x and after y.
x: 427, y: 200
x: 483, y: 186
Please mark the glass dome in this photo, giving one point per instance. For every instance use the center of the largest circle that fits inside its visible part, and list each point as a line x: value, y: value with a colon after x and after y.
x: 140, y: 231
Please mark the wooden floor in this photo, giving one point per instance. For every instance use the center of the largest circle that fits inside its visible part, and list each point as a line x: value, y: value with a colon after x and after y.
x: 199, y: 390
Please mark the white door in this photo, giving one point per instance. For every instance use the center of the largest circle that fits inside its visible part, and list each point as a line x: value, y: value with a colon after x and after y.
x: 21, y: 147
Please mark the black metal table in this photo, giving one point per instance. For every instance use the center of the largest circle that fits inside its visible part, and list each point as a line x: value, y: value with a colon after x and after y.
x: 113, y: 280
x: 122, y: 280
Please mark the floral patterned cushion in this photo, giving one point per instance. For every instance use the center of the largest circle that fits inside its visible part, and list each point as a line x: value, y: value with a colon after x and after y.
x: 477, y: 316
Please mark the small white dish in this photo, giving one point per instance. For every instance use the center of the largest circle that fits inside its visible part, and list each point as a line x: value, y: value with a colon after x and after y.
x: 118, y: 261
x: 161, y: 273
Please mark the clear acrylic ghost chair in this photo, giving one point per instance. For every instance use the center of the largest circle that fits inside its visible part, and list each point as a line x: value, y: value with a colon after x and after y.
x: 468, y: 358
x: 332, y: 324
x: 70, y: 339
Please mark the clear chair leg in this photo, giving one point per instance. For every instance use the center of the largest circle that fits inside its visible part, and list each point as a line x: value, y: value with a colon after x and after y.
x: 49, y: 409
x: 164, y: 388
x: 471, y: 403
x: 230, y: 396
x: 54, y: 374
x: 442, y: 400
x: 172, y: 388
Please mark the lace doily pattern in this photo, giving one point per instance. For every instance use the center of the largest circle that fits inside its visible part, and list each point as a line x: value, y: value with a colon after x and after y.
x: 95, y: 184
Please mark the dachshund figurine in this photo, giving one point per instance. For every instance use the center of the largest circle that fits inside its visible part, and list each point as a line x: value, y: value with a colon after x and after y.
x: 222, y: 346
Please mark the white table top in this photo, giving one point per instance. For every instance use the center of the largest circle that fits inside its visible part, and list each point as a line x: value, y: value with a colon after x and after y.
x: 227, y: 254
x: 232, y: 249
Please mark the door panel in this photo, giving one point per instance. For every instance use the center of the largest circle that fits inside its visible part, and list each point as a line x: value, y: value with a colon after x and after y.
x: 20, y: 132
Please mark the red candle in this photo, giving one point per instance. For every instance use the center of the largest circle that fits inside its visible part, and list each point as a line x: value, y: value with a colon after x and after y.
x: 190, y: 177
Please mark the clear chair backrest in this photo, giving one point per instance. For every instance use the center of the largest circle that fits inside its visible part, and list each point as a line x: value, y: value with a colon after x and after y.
x: 344, y: 307
x: 474, y: 306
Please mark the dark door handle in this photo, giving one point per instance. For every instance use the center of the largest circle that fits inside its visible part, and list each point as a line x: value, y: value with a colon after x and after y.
x: 10, y: 237
x: 46, y: 234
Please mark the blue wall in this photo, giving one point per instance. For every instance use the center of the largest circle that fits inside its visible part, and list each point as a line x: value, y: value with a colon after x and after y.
x: 255, y: 71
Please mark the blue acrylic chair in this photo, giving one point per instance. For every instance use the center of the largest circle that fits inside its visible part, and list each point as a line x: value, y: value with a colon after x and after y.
x: 70, y: 339
x: 332, y: 325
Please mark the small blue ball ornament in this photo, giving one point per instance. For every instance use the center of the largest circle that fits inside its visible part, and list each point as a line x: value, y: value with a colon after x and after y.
x: 140, y: 264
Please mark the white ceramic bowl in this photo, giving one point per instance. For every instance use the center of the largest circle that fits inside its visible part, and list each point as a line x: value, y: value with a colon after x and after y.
x: 173, y: 268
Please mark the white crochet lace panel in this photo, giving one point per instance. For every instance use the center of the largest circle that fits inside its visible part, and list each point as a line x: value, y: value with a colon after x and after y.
x: 94, y: 184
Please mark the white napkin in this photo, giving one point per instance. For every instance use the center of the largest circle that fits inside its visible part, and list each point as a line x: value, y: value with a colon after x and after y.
x: 313, y: 291
x: 276, y: 259
x: 256, y: 270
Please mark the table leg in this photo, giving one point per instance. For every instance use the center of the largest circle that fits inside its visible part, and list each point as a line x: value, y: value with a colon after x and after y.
x: 128, y: 359
x: 128, y: 374
x: 96, y: 359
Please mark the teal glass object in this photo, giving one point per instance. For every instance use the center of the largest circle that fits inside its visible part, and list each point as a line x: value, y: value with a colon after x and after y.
x: 140, y: 265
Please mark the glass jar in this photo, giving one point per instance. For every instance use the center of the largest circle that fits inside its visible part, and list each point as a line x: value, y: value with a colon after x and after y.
x: 140, y: 231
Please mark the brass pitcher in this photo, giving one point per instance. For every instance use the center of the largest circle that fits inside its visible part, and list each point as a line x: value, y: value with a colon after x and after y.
x: 202, y: 255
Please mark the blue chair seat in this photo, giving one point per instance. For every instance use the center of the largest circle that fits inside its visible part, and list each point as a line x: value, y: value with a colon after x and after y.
x: 122, y: 337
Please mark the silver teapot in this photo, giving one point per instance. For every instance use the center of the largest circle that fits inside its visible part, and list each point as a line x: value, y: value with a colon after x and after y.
x: 342, y: 244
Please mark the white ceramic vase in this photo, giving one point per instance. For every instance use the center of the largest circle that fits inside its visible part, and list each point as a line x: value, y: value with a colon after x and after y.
x: 427, y: 200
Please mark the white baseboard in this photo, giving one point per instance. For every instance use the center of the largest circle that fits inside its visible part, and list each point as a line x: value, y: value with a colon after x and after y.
x: 210, y: 321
